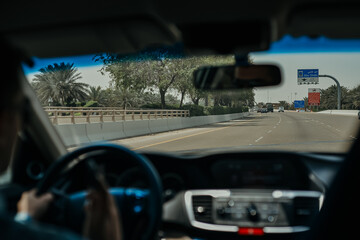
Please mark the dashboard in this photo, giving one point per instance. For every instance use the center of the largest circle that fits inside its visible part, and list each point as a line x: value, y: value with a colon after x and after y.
x: 270, y: 194
x: 273, y: 194
x: 246, y: 170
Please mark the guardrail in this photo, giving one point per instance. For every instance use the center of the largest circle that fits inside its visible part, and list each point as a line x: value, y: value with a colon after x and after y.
x: 74, y: 115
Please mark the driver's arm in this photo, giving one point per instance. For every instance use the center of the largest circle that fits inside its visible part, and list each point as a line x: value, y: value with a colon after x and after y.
x: 102, y: 219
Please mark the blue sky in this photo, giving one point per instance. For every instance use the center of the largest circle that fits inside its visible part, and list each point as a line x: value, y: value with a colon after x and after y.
x: 303, y: 44
x: 79, y: 62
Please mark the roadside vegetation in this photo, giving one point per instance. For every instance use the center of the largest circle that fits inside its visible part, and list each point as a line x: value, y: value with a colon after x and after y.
x: 150, y: 80
x: 350, y: 99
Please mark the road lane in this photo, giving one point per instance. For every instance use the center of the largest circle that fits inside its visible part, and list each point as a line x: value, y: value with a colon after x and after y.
x: 290, y: 131
x: 312, y: 132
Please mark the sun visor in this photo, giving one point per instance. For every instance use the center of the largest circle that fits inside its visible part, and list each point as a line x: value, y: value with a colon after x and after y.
x: 340, y: 20
x: 116, y: 36
x: 227, y: 37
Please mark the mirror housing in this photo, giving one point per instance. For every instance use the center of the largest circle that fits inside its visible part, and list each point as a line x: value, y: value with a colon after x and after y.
x: 236, y: 77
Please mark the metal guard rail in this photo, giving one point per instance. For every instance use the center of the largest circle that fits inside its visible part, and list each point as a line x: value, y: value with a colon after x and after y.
x: 57, y: 114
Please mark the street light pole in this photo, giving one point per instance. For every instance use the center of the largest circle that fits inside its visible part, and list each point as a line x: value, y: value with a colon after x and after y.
x: 338, y: 89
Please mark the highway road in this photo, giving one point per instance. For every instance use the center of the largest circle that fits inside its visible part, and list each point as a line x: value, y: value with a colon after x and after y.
x: 289, y: 131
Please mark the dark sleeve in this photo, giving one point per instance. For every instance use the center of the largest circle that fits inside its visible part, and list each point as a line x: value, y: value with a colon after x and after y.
x: 10, y: 229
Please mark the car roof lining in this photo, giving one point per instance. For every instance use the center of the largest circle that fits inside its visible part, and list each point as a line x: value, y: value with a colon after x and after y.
x: 125, y: 35
x: 50, y: 29
x: 333, y: 20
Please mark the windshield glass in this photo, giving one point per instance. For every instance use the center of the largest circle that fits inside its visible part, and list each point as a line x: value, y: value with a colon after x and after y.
x: 147, y: 101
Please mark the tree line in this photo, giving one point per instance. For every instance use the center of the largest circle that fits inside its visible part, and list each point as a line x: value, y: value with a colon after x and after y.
x: 148, y: 79
x: 350, y: 98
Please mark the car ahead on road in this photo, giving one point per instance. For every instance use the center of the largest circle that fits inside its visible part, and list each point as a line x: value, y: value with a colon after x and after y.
x: 281, y: 109
x: 279, y: 176
x: 270, y: 107
x: 263, y: 110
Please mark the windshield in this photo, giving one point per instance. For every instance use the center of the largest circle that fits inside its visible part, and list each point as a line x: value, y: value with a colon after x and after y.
x: 147, y: 101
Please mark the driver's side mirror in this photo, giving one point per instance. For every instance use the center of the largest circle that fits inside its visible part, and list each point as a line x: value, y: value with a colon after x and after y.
x: 236, y: 77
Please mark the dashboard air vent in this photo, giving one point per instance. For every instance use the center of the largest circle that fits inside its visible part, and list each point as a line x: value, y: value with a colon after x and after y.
x: 202, y: 207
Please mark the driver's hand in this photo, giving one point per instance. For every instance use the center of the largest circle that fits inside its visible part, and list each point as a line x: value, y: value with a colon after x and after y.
x: 34, y: 206
x: 102, y: 218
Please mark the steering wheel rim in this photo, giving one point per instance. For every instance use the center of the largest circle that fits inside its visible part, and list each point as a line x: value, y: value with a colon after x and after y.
x: 155, y: 186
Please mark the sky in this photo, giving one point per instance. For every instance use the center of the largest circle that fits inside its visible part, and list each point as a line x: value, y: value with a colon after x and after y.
x: 338, y: 58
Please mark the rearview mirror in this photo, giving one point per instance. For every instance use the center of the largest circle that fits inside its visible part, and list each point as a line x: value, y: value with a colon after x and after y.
x: 236, y: 77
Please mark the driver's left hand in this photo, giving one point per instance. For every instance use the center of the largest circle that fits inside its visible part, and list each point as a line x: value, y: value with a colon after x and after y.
x: 34, y: 206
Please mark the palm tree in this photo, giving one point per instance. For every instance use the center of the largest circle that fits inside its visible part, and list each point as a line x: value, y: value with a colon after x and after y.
x: 96, y: 94
x: 284, y: 104
x: 354, y: 94
x: 59, y: 83
x: 328, y: 98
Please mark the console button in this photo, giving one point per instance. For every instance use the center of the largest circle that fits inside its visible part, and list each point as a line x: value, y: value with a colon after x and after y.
x: 252, y: 213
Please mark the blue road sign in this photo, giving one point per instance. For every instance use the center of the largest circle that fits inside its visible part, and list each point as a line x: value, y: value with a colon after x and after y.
x: 299, y: 104
x: 308, y: 76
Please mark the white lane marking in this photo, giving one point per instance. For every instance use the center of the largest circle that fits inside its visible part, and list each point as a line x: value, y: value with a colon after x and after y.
x: 328, y: 126
x: 353, y: 137
x: 259, y: 139
x: 274, y: 127
x: 269, y: 131
x: 338, y: 130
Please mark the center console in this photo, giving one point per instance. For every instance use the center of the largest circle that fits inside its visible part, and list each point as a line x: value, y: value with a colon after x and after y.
x: 268, y: 211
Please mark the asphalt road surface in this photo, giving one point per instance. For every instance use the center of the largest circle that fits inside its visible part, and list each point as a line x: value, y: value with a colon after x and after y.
x: 289, y: 131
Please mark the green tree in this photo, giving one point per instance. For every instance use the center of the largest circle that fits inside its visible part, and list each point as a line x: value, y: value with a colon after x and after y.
x: 95, y: 94
x: 184, y: 81
x: 354, y: 95
x: 306, y: 102
x: 196, y: 95
x: 59, y: 82
x: 285, y: 104
x: 147, y: 70
x: 162, y: 75
x: 244, y: 97
x: 329, y: 98
x: 261, y: 104
x: 157, y: 71
x: 120, y: 97
x: 238, y: 98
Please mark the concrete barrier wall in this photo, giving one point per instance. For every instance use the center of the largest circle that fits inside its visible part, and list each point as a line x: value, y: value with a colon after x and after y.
x: 160, y: 125
x: 75, y: 134
x: 113, y: 130
x: 174, y: 123
x: 136, y: 128
x: 94, y: 132
x: 341, y: 112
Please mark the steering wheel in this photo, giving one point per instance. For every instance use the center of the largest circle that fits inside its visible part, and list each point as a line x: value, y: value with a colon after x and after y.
x: 138, y: 207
